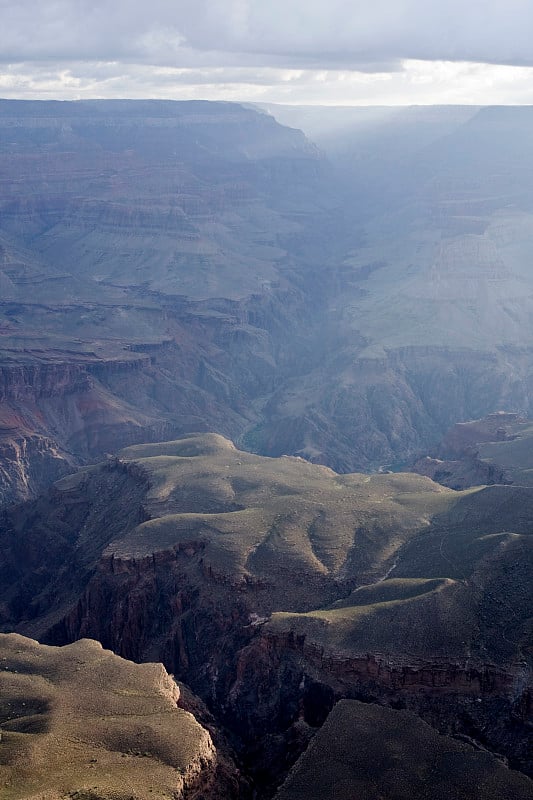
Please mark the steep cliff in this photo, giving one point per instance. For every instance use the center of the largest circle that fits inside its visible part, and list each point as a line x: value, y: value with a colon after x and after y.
x: 56, y: 412
x: 165, y: 245
x: 495, y: 449
x: 169, y: 268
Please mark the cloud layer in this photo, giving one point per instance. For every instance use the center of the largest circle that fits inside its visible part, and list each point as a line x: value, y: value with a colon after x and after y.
x: 278, y: 33
x: 250, y: 42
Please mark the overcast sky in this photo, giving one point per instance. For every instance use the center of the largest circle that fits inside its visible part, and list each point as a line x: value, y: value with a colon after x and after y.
x: 290, y: 51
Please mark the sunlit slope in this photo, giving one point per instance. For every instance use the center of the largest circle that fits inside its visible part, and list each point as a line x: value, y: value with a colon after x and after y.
x: 460, y: 589
x: 390, y: 563
x: 266, y: 517
x: 346, y: 306
x: 448, y: 571
x: 78, y: 721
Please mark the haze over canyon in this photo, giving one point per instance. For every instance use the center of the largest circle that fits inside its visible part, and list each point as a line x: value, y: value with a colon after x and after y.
x: 265, y: 383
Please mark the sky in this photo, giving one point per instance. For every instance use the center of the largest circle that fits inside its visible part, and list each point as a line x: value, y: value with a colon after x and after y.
x: 328, y: 52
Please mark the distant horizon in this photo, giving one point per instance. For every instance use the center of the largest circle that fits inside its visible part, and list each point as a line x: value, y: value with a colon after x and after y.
x: 261, y: 103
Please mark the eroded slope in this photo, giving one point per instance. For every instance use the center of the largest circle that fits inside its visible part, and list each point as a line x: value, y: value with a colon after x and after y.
x: 150, y: 253
x: 197, y: 266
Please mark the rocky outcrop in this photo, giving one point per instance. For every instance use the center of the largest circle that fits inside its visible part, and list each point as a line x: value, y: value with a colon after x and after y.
x: 30, y: 381
x: 50, y: 547
x: 380, y: 411
x: 195, y: 267
x: 464, y: 437
x: 27, y: 464
x: 54, y: 416
x: 460, y: 474
x: 201, y: 267
x: 491, y: 450
x: 171, y: 311
x: 481, y: 701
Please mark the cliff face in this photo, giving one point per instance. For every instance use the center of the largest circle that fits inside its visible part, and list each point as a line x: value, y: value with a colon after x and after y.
x: 495, y: 449
x: 303, y: 680
x: 28, y: 463
x: 73, y: 406
x: 31, y: 381
x: 266, y: 682
x: 246, y: 369
x: 158, y: 239
x: 459, y: 474
x: 56, y: 413
x: 463, y: 439
x: 186, y: 199
x: 362, y: 409
x: 257, y: 679
x: 169, y: 268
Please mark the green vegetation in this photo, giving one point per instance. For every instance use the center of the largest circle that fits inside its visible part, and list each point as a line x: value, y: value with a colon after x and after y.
x: 433, y: 559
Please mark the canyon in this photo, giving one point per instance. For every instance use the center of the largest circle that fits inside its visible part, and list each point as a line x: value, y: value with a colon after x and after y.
x: 221, y: 338
x: 181, y: 267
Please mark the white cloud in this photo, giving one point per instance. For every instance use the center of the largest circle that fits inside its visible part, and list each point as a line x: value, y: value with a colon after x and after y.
x: 418, y: 82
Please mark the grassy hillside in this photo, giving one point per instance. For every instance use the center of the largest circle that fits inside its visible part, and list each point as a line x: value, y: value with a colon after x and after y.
x: 262, y: 517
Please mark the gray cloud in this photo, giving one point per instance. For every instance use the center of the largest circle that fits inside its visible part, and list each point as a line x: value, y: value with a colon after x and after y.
x: 276, y: 33
x: 292, y: 51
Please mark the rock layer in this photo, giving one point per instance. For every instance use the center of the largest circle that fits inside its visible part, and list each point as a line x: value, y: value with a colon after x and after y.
x: 263, y: 295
